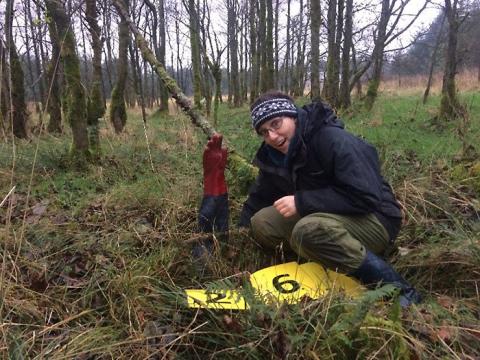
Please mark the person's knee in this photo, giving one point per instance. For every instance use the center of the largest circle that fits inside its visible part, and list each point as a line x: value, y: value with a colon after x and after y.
x: 270, y: 228
x: 312, y: 232
x: 327, y: 241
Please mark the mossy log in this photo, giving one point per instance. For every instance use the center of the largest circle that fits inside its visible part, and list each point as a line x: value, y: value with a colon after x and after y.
x: 236, y: 163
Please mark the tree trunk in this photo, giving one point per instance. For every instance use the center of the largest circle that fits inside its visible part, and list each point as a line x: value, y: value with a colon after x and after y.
x: 298, y: 83
x: 33, y: 74
x: 162, y: 50
x: 17, y: 107
x: 331, y: 24
x: 54, y: 67
x: 4, y: 94
x: 338, y: 41
x: 75, y: 96
x: 254, y: 51
x: 315, y: 51
x: 137, y: 80
x: 118, y: 111
x: 433, y: 62
x: 286, y: 69
x: 95, y: 108
x: 355, y: 82
x: 262, y: 44
x: 195, y: 52
x: 344, y: 95
x: 275, y: 36
x: 233, y: 43
x: 270, y: 68
x: 449, y: 105
x: 377, y: 56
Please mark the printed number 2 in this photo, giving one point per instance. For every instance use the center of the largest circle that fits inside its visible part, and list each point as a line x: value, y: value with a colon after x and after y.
x: 216, y: 300
x: 286, y: 286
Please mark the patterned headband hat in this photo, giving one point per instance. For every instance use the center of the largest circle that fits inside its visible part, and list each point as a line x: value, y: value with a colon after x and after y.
x: 270, y: 109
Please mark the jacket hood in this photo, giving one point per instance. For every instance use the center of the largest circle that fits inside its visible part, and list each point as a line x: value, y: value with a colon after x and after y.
x: 315, y: 116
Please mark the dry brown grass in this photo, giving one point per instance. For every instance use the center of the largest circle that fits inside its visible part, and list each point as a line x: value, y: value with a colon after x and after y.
x: 467, y: 80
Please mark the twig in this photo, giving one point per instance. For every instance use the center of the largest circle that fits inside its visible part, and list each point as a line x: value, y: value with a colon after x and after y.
x: 6, y: 197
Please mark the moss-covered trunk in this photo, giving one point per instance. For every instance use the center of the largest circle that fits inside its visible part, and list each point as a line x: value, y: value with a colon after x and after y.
x: 315, y: 52
x: 344, y: 93
x: 96, y: 103
x: 54, y: 99
x: 75, y: 104
x: 18, y: 109
x: 195, y: 52
x: 377, y: 56
x: 217, y: 74
x: 118, y: 111
x: 449, y: 105
x: 329, y: 89
x: 4, y: 91
x: 162, y: 48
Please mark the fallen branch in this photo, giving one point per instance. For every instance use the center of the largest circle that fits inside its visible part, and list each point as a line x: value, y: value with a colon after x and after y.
x: 236, y: 163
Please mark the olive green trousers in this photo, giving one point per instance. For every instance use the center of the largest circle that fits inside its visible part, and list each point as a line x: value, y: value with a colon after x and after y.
x: 338, y: 242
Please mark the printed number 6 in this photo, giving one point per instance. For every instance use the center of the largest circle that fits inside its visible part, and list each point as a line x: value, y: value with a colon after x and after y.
x: 287, y: 286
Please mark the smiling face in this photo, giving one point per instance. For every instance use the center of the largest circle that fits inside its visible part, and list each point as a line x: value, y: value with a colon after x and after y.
x: 278, y: 132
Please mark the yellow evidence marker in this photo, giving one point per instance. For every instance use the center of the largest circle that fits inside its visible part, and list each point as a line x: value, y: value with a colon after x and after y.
x: 215, y: 299
x: 288, y: 282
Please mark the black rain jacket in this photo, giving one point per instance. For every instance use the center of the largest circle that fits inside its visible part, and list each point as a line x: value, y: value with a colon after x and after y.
x: 327, y: 170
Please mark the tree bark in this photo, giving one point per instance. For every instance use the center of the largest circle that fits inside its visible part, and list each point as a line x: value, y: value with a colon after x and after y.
x: 75, y: 96
x: 270, y: 68
x: 433, y: 62
x: 254, y: 52
x: 449, y: 105
x: 377, y: 55
x: 233, y: 43
x: 96, y: 103
x: 315, y: 51
x: 328, y: 87
x: 286, y: 80
x: 344, y: 95
x: 195, y: 52
x: 298, y: 82
x: 17, y: 107
x: 162, y: 51
x: 118, y: 111
x: 54, y: 67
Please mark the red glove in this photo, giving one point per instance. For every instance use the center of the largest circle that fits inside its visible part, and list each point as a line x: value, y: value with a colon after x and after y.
x: 214, y: 162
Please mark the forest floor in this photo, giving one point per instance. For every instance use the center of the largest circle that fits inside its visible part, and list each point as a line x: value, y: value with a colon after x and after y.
x: 94, y: 262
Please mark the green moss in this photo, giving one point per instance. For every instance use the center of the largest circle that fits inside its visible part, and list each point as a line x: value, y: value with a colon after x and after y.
x: 372, y: 94
x: 118, y: 111
x: 467, y: 174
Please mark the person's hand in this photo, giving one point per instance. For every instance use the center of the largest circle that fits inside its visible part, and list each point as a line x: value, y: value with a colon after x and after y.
x: 214, y: 162
x: 286, y: 206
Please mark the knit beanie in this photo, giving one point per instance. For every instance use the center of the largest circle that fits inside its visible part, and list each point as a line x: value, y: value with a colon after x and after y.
x: 270, y: 109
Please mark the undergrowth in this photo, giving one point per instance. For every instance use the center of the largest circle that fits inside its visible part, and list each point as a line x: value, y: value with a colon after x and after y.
x: 94, y: 262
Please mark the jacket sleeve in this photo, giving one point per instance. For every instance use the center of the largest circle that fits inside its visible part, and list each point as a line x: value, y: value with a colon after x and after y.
x: 263, y: 193
x: 352, y: 167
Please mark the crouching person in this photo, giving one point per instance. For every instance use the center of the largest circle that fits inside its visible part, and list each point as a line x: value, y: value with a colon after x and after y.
x: 320, y: 192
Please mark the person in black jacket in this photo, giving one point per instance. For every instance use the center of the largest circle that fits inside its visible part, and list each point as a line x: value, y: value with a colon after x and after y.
x: 320, y: 192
